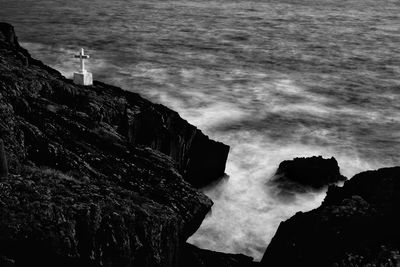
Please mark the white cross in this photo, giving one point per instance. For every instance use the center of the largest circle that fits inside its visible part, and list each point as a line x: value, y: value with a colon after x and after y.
x: 82, y: 56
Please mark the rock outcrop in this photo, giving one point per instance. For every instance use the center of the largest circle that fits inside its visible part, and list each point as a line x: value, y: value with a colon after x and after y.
x: 199, y: 159
x: 300, y: 174
x: 96, y: 174
x: 356, y: 225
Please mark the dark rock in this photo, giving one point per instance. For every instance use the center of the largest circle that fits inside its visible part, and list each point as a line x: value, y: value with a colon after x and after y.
x: 205, y: 156
x: 300, y: 174
x: 96, y: 173
x: 6, y: 262
x: 356, y: 225
x: 200, y: 160
x: 7, y: 35
x: 3, y: 161
x: 196, y: 257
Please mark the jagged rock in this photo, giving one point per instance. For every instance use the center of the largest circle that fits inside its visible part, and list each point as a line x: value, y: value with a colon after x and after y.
x: 300, y: 174
x: 96, y: 174
x: 196, y: 257
x: 356, y: 225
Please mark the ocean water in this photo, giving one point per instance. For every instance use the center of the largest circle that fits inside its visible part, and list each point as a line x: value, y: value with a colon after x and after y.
x: 273, y: 79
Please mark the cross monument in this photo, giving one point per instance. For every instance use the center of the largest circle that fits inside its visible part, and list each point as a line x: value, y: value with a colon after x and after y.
x: 83, y: 77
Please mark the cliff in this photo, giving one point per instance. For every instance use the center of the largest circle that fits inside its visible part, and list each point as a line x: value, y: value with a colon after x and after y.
x: 97, y: 176
x: 356, y: 225
x: 140, y: 122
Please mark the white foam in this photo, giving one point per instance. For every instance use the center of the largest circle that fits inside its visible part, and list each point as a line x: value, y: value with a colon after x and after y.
x: 246, y: 212
x: 244, y: 215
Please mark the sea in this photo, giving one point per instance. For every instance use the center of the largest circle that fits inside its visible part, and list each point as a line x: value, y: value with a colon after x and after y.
x: 274, y: 79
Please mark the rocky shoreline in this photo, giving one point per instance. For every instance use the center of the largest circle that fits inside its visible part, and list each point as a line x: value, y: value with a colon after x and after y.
x: 98, y: 176
x: 356, y: 225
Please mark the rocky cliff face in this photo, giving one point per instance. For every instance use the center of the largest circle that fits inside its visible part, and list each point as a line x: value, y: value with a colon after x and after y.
x: 199, y: 159
x: 96, y: 174
x: 357, y: 225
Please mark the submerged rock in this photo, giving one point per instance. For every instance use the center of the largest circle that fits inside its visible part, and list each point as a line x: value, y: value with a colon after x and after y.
x: 356, y: 225
x: 97, y: 174
x: 300, y: 174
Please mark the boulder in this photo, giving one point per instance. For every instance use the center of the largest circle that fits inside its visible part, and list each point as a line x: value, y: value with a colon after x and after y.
x: 302, y: 174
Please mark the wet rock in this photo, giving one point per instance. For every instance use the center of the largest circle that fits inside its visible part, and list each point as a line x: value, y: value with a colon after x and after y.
x: 302, y: 174
x: 356, y: 225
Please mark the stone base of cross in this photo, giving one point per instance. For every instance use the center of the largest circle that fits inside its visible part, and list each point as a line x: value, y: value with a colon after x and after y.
x: 83, y: 77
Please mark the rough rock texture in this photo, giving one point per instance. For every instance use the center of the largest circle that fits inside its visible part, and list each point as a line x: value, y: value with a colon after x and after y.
x: 196, y: 257
x: 357, y: 225
x: 96, y: 173
x: 200, y: 160
x: 302, y: 173
x: 3, y: 161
